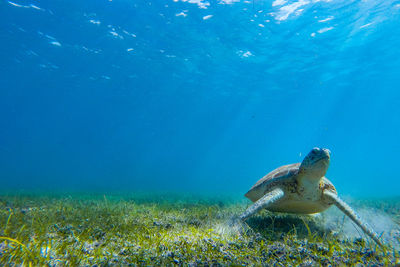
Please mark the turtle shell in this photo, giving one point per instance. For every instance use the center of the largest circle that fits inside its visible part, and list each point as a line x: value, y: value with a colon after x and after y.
x: 276, y: 177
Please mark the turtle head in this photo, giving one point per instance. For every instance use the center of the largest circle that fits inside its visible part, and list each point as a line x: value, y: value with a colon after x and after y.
x: 316, y: 163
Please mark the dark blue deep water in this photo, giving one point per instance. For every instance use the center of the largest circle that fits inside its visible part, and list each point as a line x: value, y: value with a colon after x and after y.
x: 195, y: 95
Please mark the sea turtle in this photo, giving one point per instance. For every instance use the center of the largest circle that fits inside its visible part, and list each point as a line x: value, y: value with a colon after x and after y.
x: 301, y: 188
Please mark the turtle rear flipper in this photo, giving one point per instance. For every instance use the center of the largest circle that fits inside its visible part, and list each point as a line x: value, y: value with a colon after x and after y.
x: 346, y: 209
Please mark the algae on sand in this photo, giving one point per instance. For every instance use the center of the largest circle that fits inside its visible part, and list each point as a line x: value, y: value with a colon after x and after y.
x: 143, y: 229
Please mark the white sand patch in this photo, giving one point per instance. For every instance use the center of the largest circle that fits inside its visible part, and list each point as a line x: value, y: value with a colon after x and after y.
x: 334, y: 220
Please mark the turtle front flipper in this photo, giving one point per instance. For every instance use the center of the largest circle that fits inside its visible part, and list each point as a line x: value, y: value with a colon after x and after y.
x: 352, y: 214
x: 268, y: 199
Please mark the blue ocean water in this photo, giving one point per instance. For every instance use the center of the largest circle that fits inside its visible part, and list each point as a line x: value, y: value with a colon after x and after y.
x: 195, y: 95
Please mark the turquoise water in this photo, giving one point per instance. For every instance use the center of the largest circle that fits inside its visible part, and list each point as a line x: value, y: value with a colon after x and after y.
x: 198, y: 96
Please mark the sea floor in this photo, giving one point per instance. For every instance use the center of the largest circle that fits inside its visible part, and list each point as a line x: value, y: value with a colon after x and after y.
x: 171, y: 229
